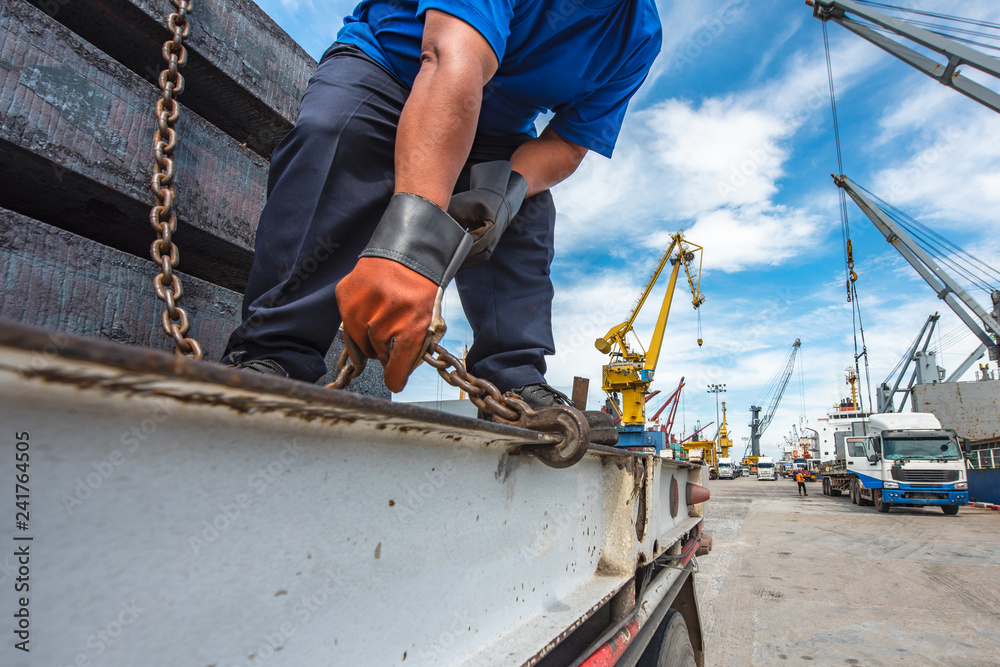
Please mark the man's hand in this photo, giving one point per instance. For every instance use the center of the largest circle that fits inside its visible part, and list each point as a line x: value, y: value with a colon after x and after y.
x: 388, y: 311
x: 487, y: 208
x: 391, y: 301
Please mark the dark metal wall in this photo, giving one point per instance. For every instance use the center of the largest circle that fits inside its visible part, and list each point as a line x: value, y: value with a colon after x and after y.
x: 77, y: 95
x: 984, y: 486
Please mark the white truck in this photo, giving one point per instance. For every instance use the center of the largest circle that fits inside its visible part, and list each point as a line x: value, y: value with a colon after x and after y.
x: 900, y: 459
x: 727, y: 469
x: 765, y: 469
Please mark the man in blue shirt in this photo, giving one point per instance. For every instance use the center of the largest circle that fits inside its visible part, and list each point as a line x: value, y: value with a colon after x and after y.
x: 414, y: 156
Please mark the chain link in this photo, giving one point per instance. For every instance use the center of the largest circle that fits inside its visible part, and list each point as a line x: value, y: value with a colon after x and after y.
x: 346, y: 371
x: 506, y: 408
x: 483, y: 394
x: 163, y: 217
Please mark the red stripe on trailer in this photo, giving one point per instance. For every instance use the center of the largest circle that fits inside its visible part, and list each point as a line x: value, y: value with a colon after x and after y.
x: 608, y: 654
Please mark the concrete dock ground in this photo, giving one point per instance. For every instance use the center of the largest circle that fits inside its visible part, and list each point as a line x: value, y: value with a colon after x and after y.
x: 816, y: 580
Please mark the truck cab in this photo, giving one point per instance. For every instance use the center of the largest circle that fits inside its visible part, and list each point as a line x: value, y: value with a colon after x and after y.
x: 907, y: 459
x: 727, y: 469
x: 765, y: 469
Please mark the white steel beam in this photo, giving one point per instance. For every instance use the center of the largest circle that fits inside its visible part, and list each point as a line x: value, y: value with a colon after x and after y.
x: 197, y: 515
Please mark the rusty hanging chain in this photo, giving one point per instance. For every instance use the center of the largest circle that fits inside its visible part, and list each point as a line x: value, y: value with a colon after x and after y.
x: 506, y: 408
x: 163, y: 217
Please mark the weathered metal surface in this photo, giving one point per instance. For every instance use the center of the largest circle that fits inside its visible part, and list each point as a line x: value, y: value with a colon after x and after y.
x: 972, y: 409
x: 54, y: 279
x: 265, y: 520
x: 984, y: 486
x: 580, y: 388
x: 75, y: 152
x: 245, y: 74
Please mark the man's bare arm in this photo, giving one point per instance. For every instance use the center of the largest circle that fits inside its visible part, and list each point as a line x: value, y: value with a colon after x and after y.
x: 547, y: 160
x: 439, y: 119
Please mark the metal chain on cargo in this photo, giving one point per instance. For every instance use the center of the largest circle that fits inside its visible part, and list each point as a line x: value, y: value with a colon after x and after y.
x: 162, y: 217
x: 506, y: 408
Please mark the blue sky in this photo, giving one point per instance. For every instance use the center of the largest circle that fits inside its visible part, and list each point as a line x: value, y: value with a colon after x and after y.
x: 731, y: 140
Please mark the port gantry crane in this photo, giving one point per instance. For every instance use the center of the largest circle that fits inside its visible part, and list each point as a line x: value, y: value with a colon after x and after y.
x: 775, y: 389
x: 628, y: 374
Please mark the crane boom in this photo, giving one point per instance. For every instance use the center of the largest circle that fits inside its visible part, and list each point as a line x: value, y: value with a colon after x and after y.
x: 987, y: 328
x: 946, y: 74
x: 759, y: 424
x: 887, y: 397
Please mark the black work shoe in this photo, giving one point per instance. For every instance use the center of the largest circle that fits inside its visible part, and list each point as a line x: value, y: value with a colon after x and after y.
x: 237, y: 359
x: 541, y: 395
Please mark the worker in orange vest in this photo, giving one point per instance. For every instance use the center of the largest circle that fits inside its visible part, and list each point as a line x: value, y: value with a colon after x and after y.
x: 801, y: 479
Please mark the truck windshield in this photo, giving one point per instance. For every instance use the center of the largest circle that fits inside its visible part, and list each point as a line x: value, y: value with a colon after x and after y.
x: 765, y: 465
x: 920, y: 448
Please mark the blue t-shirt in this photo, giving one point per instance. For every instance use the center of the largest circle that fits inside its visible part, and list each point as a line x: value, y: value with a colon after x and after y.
x: 581, y: 59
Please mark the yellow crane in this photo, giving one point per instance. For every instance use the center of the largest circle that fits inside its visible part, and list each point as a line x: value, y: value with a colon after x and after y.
x: 630, y: 371
x: 724, y: 442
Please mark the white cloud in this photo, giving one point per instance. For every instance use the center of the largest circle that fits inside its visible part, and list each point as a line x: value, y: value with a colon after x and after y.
x: 689, y: 29
x: 716, y: 165
x: 672, y: 158
x: 947, y: 172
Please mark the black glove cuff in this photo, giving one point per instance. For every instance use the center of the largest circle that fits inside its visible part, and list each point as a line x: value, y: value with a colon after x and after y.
x: 418, y: 234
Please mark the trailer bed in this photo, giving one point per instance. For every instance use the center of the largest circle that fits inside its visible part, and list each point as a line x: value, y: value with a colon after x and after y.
x: 244, y: 518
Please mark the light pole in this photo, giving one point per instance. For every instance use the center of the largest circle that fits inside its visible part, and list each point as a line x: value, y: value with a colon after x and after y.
x: 717, y: 389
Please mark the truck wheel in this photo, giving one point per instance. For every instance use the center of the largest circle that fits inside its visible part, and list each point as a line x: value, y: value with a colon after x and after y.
x: 670, y: 646
x: 881, y: 505
x: 854, y: 493
x: 826, y: 487
x: 950, y: 510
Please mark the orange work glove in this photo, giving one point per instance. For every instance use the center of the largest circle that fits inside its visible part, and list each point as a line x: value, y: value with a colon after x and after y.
x: 391, y: 301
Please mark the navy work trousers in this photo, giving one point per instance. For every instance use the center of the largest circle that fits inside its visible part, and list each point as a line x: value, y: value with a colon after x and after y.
x: 330, y: 180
